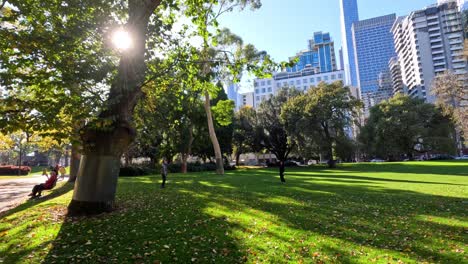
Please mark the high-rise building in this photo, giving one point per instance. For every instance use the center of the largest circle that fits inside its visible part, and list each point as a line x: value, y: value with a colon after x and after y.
x: 245, y: 99
x: 373, y: 48
x: 265, y: 88
x: 395, y: 72
x: 320, y: 55
x: 429, y: 42
x: 348, y: 15
x: 233, y: 92
x: 341, y: 59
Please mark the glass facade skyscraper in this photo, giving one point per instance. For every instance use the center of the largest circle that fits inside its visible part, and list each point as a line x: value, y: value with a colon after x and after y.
x: 348, y: 15
x: 373, y: 48
x: 320, y: 55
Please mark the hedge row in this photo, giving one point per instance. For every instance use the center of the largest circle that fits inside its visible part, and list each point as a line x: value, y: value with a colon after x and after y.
x: 172, y: 168
x: 13, y: 170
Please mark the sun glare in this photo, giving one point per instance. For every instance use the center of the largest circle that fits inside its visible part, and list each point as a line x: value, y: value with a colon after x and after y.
x: 122, y: 40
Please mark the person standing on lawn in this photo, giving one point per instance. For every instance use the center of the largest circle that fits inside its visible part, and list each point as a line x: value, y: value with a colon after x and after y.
x: 163, y: 173
x: 62, y: 172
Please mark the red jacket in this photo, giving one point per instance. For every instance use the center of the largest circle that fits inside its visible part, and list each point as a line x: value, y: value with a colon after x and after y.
x: 50, y: 182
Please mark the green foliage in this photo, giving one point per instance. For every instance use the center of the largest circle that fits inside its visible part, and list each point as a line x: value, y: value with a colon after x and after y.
x: 133, y: 171
x: 320, y: 118
x: 273, y: 134
x: 223, y: 112
x: 405, y: 126
x: 363, y: 213
x: 244, y: 138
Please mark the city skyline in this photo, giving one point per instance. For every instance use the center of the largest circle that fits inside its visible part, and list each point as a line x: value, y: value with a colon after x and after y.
x: 283, y: 38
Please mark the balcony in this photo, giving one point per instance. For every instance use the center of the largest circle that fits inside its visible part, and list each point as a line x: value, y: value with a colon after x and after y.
x: 461, y: 65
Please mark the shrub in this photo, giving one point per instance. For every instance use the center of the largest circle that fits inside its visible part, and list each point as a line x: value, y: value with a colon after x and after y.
x: 13, y: 170
x: 136, y: 171
x: 133, y: 171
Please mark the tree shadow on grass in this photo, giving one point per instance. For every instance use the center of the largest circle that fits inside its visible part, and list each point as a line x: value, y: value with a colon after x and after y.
x: 21, y: 227
x: 47, y: 195
x: 249, y: 215
x: 449, y: 168
x: 150, y: 225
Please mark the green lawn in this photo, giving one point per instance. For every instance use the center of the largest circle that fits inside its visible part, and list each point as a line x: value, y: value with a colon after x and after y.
x: 384, y: 213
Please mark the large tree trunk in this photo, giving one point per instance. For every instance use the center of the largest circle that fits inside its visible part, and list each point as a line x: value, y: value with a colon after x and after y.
x: 183, y: 160
x: 184, y: 156
x: 104, y: 143
x: 214, y: 139
x: 74, y: 162
x: 281, y: 171
x: 238, y: 154
x: 331, y: 161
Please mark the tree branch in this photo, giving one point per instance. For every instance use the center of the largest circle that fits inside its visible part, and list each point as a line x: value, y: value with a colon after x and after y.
x: 3, y: 4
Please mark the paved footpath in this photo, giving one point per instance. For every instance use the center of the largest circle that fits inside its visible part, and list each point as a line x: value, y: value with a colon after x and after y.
x: 15, y: 191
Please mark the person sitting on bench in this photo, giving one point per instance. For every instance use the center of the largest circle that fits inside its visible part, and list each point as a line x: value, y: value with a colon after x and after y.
x: 49, y: 184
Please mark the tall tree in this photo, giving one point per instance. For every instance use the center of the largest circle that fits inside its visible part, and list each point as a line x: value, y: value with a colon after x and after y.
x: 452, y: 96
x: 244, y: 138
x: 273, y: 129
x: 53, y: 47
x: 323, y: 114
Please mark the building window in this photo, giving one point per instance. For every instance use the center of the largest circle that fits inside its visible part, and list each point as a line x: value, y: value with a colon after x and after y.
x: 256, y: 91
x: 269, y: 82
x: 333, y: 77
x: 305, y: 88
x: 319, y: 79
x: 325, y: 78
x: 312, y: 80
x: 269, y: 89
x: 291, y: 83
x: 298, y: 81
x: 278, y: 85
x: 304, y: 81
x: 263, y: 83
x: 285, y: 84
x: 263, y: 90
x: 340, y: 75
x: 257, y: 98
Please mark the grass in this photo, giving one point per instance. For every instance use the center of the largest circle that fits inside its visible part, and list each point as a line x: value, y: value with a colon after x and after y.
x: 359, y: 213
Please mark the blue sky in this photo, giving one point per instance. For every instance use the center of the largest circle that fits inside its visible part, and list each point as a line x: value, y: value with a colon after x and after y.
x: 282, y: 27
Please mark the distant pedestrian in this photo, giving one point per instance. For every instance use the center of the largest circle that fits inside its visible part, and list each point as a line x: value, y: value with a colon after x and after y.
x: 163, y: 173
x: 62, y: 171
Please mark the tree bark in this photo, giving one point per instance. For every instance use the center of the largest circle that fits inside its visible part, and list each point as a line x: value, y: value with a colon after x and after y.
x: 183, y: 166
x: 103, y: 143
x: 74, y: 162
x: 214, y: 139
x: 281, y: 171
x: 238, y: 153
x: 188, y: 152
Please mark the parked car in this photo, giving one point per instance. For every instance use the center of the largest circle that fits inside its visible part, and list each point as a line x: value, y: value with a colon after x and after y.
x: 464, y: 157
x: 377, y: 160
x: 442, y: 157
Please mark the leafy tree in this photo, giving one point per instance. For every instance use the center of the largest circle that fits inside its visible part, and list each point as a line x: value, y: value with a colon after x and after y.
x: 322, y: 115
x: 273, y: 134
x: 244, y: 136
x: 452, y: 96
x: 404, y: 126
x: 54, y: 53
